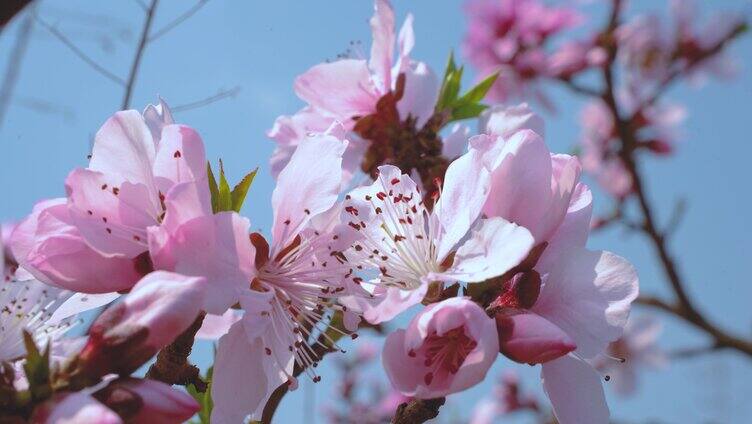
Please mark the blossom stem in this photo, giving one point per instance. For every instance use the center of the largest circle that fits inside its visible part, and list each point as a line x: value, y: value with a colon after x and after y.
x: 172, y: 366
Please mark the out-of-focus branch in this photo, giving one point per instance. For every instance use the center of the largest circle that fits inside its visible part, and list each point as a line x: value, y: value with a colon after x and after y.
x: 14, y: 64
x: 208, y: 100
x: 78, y: 52
x: 179, y: 20
x: 683, y: 308
x: 679, y: 71
x: 139, y: 54
x: 721, y: 339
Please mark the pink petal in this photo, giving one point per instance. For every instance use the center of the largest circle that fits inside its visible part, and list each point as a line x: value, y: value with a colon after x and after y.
x: 455, y: 143
x: 180, y: 157
x: 163, y: 302
x: 216, y: 326
x: 124, y: 149
x: 81, y: 302
x: 382, y: 48
x: 243, y: 378
x: 575, y: 390
x: 309, y: 185
x: 588, y: 295
x: 521, y: 183
x: 421, y: 92
x: 466, y: 186
x: 157, y: 117
x: 215, y: 247
x: 494, y: 248
x: 342, y: 88
x: 162, y: 404
x: 74, y: 408
x: 186, y: 201
x: 113, y: 224
x: 505, y: 121
x: 52, y: 249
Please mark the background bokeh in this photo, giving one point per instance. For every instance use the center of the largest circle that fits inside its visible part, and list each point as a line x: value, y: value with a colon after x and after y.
x: 59, y: 103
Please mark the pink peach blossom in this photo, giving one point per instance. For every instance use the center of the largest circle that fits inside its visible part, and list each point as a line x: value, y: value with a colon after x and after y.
x: 413, y: 248
x: 447, y: 348
x: 347, y: 89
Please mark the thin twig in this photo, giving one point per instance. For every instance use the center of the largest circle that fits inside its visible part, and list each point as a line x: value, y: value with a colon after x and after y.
x: 207, y: 101
x: 78, y: 52
x: 179, y: 20
x: 139, y: 54
x: 14, y: 64
x: 677, y: 215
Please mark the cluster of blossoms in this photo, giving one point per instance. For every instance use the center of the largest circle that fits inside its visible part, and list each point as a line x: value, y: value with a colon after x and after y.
x: 516, y: 38
x: 379, y: 207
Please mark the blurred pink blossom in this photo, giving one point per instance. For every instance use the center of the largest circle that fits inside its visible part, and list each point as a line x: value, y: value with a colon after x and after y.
x: 510, y: 37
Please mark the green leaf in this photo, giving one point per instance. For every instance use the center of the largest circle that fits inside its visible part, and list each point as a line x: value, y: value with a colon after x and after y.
x: 225, y: 195
x: 241, y: 189
x: 477, y: 93
x: 204, y: 399
x: 213, y: 188
x: 447, y: 85
x: 467, y: 111
x: 37, y: 368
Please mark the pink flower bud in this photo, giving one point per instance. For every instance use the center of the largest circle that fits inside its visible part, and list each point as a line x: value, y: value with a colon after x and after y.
x: 74, y: 408
x: 148, y: 401
x: 530, y: 338
x: 160, y: 307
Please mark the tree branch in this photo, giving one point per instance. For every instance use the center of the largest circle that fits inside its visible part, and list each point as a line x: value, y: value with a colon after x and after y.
x: 179, y: 20
x: 172, y: 366
x: 417, y: 411
x: 78, y: 52
x: 208, y: 100
x: 139, y: 54
x: 14, y: 64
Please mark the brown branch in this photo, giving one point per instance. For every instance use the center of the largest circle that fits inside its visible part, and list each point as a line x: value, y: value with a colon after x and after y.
x: 14, y: 64
x: 78, y: 52
x: 179, y: 20
x: 721, y: 339
x: 208, y: 100
x: 417, y: 411
x: 139, y: 54
x: 172, y: 366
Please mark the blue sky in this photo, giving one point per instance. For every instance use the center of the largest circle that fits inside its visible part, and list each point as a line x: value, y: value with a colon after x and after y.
x: 260, y: 47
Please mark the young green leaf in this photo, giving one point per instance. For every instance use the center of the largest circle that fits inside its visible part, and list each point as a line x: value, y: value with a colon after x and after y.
x: 241, y: 189
x: 477, y: 93
x: 225, y: 195
x: 213, y: 188
x: 37, y: 368
x: 467, y: 111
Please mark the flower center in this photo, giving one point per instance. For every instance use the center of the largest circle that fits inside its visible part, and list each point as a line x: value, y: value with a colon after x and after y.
x: 445, y: 353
